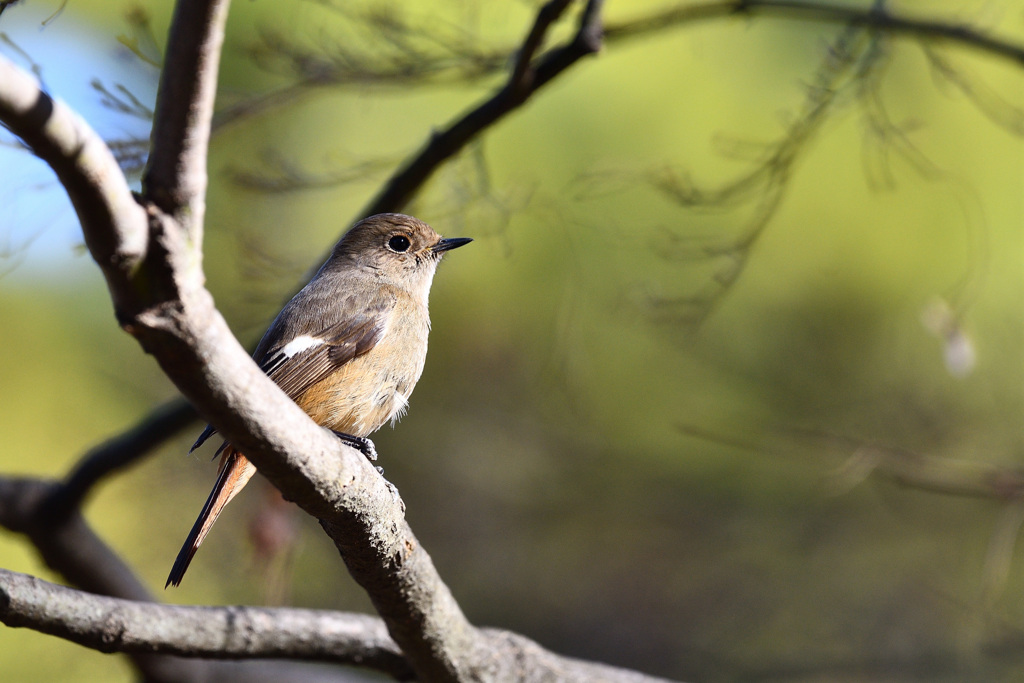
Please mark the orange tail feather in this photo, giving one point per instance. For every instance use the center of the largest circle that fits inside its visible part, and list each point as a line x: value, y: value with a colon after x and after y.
x: 235, y: 472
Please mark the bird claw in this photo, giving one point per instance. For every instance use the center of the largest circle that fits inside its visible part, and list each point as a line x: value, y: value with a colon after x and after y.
x: 360, y: 443
x: 367, y: 448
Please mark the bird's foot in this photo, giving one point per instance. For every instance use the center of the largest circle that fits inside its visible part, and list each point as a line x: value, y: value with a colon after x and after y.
x: 360, y: 443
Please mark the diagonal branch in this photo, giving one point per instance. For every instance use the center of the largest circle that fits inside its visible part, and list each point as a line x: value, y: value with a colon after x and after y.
x: 525, y: 80
x: 113, y: 223
x: 547, y: 16
x: 119, y: 452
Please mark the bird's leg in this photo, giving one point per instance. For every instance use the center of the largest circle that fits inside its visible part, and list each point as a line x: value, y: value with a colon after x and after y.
x: 360, y: 443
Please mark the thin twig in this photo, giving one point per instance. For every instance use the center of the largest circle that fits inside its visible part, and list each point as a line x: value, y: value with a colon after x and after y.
x: 950, y: 476
x: 880, y: 19
x: 547, y: 16
x: 331, y: 71
x: 521, y: 85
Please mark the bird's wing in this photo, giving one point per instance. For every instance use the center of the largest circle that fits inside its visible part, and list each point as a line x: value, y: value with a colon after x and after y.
x: 305, y: 360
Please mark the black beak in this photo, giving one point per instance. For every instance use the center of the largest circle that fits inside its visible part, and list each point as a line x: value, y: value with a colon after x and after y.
x: 450, y: 243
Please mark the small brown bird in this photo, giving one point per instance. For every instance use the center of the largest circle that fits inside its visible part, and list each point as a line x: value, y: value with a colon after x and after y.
x: 348, y: 348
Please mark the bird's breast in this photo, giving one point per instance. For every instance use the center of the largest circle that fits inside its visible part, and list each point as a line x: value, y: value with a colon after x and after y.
x: 375, y: 387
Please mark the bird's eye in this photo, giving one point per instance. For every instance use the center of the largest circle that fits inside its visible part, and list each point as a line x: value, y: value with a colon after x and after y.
x: 399, y: 243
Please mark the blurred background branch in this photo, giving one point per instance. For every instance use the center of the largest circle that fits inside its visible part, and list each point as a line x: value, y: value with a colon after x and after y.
x: 121, y: 451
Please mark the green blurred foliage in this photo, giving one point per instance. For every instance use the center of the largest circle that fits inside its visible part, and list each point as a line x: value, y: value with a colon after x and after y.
x: 585, y: 463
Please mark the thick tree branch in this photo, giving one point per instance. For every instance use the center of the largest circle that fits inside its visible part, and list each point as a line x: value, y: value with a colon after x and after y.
x: 175, y: 177
x: 525, y: 80
x: 115, y: 625
x: 520, y: 660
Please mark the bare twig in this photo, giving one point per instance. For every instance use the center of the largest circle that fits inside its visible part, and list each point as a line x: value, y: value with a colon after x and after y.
x: 284, y: 177
x: 313, y: 70
x: 928, y: 472
x: 547, y: 16
x: 999, y: 556
x: 523, y: 82
x: 851, y: 57
x: 862, y: 460
x: 987, y: 100
x: 876, y: 18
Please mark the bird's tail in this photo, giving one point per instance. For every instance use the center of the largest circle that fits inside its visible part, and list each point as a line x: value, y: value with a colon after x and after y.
x: 235, y: 472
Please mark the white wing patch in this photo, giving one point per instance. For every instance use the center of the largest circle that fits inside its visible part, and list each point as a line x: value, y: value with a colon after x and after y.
x: 300, y: 344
